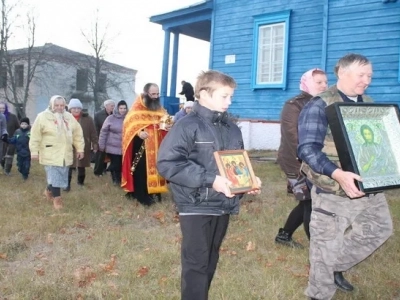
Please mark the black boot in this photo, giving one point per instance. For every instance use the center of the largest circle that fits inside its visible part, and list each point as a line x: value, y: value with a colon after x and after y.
x: 118, y: 178
x: 7, y: 169
x: 130, y: 196
x: 68, y: 188
x: 342, y: 283
x: 114, y: 177
x: 146, y: 200
x: 285, y: 239
x: 81, y: 179
x: 157, y: 197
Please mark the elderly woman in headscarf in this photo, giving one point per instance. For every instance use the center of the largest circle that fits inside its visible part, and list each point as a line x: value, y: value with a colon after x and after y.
x: 53, y: 135
x: 110, y: 140
x: 8, y: 152
x: 312, y: 83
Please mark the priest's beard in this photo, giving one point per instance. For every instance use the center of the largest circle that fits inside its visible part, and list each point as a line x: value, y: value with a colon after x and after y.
x: 152, y: 104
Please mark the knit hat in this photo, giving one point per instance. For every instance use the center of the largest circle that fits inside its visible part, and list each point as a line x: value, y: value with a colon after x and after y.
x: 75, y: 103
x: 188, y: 104
x: 25, y: 120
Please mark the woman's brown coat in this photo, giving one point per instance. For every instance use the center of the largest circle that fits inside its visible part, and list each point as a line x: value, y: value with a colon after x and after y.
x: 91, y: 140
x: 287, y: 153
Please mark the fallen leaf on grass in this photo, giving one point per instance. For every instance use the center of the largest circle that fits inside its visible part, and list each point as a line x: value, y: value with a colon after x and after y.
x: 28, y: 238
x: 49, y: 239
x: 80, y: 225
x: 233, y: 253
x: 40, y: 271
x: 40, y: 255
x: 163, y: 280
x: 281, y: 258
x: 268, y: 264
x: 393, y: 284
x: 3, y: 255
x: 175, y: 219
x: 222, y: 249
x: 250, y: 246
x: 160, y: 216
x: 178, y: 239
x: 84, y: 276
x: 300, y: 274
x: 142, y: 271
x: 112, y: 285
x: 111, y: 265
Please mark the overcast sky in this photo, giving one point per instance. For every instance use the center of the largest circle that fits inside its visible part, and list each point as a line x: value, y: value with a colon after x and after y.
x: 135, y: 42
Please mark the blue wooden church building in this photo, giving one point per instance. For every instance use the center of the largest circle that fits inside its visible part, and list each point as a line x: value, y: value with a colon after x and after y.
x: 267, y: 45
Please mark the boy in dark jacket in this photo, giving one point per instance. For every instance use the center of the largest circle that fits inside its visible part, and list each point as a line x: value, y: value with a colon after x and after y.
x: 21, y: 140
x: 202, y: 196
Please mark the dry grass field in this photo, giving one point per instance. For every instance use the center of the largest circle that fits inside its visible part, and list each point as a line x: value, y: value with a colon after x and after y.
x: 102, y: 246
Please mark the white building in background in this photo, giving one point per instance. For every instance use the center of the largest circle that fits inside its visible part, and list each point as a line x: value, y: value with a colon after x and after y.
x: 67, y: 73
x: 260, y: 135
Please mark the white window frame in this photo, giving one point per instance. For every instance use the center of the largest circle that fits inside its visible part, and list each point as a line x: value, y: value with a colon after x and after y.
x: 271, y: 22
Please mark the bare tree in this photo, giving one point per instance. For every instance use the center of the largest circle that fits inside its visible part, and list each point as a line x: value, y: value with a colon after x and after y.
x: 18, y: 67
x: 101, y: 74
x: 5, y: 26
x: 22, y: 68
x: 98, y: 44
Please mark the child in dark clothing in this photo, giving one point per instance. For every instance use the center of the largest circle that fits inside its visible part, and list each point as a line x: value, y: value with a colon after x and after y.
x: 21, y: 140
x: 202, y: 196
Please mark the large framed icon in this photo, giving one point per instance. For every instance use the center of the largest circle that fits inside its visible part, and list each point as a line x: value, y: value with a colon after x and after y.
x: 236, y: 166
x: 367, y: 139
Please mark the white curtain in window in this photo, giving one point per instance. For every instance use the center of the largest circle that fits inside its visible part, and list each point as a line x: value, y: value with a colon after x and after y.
x: 270, y: 58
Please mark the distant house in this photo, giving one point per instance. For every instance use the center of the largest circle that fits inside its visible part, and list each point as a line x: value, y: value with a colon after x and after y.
x: 64, y: 72
x: 267, y: 45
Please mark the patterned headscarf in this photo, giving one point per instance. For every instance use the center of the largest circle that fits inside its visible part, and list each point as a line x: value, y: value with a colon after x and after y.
x: 307, y: 83
x: 53, y: 100
x: 61, y: 121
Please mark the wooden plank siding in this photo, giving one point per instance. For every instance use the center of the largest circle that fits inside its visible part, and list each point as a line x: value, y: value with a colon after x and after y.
x: 369, y: 27
x: 233, y: 34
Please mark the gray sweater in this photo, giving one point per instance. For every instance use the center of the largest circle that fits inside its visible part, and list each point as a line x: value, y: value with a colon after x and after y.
x: 3, y: 125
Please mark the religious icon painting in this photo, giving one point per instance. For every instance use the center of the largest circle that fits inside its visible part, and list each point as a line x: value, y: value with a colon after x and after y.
x: 235, y: 165
x: 367, y: 139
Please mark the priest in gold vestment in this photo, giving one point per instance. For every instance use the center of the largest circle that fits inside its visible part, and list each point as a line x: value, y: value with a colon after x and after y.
x: 141, y: 139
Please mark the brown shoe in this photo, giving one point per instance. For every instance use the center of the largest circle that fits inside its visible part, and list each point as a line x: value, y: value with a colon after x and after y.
x: 48, y: 194
x: 58, y: 203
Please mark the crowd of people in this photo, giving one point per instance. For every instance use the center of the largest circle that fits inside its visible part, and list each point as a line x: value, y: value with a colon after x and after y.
x: 149, y: 154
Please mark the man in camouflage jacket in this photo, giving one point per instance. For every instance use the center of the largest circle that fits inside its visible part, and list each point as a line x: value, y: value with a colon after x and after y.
x: 338, y: 205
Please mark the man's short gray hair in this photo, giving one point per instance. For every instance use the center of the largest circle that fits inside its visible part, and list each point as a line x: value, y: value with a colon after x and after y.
x: 350, y: 59
x: 109, y: 101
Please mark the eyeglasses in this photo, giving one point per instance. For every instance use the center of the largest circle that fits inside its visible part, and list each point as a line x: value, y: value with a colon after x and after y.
x: 154, y: 94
